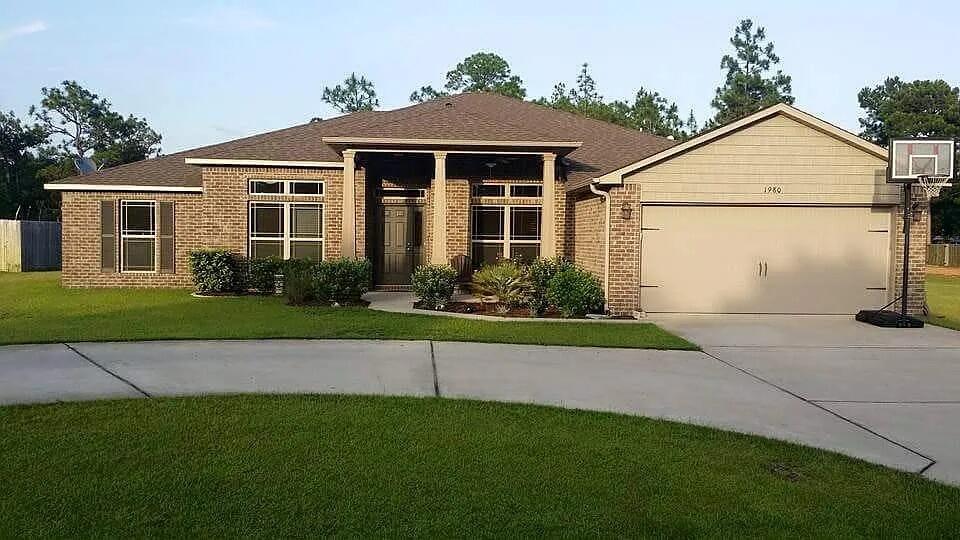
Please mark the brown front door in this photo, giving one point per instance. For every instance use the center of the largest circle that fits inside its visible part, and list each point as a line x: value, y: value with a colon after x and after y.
x: 401, y: 234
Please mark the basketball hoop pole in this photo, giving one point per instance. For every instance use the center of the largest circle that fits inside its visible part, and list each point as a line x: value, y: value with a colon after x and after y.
x: 907, y: 196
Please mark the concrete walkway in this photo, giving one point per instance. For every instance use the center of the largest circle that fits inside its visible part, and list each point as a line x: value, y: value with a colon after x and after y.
x: 770, y: 396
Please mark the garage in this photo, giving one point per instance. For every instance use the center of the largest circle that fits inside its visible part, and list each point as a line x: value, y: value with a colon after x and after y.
x: 778, y: 212
x: 764, y: 259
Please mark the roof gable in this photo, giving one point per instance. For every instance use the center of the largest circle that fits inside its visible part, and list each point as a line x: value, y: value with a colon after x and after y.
x: 781, y: 109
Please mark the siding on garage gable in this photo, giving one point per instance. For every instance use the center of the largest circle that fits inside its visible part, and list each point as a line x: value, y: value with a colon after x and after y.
x: 775, y: 161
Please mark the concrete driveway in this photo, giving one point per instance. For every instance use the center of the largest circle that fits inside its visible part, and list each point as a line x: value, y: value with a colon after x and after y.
x: 902, y: 384
x: 888, y: 397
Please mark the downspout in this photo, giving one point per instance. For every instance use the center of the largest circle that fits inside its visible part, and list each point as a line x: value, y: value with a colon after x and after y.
x: 606, y: 242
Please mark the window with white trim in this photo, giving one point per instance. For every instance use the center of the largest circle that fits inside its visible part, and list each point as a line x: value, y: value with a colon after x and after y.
x: 489, y: 190
x: 287, y: 230
x: 138, y: 236
x: 305, y: 188
x: 504, y: 231
x: 526, y: 190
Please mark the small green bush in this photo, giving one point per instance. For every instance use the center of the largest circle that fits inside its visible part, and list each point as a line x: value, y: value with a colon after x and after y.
x: 541, y: 271
x: 434, y: 284
x: 343, y: 281
x: 575, y: 292
x: 506, y: 280
x: 298, y: 283
x: 216, y: 271
x: 261, y: 274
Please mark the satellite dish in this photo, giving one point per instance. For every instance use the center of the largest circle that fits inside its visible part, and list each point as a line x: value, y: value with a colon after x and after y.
x: 85, y: 165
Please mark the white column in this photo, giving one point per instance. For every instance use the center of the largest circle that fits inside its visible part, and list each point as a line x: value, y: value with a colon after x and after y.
x: 548, y: 232
x: 438, y: 252
x: 348, y: 241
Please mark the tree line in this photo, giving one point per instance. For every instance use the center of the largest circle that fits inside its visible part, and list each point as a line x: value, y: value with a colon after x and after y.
x: 71, y: 122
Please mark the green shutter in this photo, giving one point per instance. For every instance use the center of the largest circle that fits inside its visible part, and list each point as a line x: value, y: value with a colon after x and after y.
x: 165, y: 236
x: 108, y: 236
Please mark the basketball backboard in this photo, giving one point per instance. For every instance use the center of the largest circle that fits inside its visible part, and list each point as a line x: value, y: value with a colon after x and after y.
x: 911, y: 159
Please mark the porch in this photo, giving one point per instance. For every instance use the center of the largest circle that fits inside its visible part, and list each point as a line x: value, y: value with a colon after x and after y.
x: 448, y: 206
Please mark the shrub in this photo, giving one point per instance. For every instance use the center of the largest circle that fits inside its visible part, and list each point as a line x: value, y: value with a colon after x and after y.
x: 261, y: 274
x: 575, y: 292
x: 434, y: 284
x: 541, y: 271
x: 506, y: 280
x: 298, y: 280
x: 343, y: 281
x: 215, y: 271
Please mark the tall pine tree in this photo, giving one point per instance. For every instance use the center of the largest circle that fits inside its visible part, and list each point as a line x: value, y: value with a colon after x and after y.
x: 750, y: 83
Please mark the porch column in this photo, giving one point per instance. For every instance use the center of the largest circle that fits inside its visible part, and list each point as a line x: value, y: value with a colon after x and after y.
x: 348, y: 242
x: 548, y: 226
x: 438, y: 252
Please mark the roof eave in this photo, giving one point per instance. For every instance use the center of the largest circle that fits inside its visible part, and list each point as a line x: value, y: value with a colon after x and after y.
x: 120, y: 187
x: 383, y: 141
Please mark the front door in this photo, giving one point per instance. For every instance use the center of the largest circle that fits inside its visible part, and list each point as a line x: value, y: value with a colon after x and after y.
x: 401, y: 235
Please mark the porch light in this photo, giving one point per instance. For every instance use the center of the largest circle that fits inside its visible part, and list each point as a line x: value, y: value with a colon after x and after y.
x: 626, y: 210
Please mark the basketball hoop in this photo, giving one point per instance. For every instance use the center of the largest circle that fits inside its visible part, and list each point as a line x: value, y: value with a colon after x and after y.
x: 933, y: 183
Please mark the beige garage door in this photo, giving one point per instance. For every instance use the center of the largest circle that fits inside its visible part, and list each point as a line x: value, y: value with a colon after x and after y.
x: 728, y: 259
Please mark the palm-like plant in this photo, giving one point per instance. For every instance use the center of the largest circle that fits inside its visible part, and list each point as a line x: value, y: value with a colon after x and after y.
x: 508, y: 281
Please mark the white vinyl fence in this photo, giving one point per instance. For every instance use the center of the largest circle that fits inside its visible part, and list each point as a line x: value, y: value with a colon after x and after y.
x: 29, y: 245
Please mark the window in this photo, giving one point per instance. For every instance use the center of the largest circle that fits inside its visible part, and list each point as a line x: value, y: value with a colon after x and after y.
x: 489, y: 190
x: 407, y: 193
x: 526, y: 190
x: 306, y: 188
x: 138, y: 236
x: 504, y: 231
x: 286, y: 187
x: 266, y: 187
x: 286, y: 230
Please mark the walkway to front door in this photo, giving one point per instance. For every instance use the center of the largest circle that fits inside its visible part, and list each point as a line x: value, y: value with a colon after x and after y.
x: 401, y: 237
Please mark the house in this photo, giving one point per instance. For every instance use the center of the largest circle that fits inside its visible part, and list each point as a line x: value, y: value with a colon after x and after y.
x: 779, y: 212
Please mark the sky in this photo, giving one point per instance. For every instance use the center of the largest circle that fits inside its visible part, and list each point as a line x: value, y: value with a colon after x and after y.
x: 205, y: 72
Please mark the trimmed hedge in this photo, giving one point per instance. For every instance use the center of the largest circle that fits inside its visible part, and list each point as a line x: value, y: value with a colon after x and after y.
x: 298, y: 281
x: 434, y: 284
x: 575, y: 292
x: 261, y: 274
x: 216, y: 271
x: 342, y: 281
x: 541, y: 271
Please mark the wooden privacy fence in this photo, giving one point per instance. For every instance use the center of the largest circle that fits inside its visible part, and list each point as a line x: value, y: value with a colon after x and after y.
x: 943, y: 255
x: 29, y: 245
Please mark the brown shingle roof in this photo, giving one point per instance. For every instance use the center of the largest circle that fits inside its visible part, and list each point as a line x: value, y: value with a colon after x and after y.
x: 475, y: 117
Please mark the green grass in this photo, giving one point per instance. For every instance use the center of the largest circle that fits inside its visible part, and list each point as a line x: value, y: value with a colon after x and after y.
x: 35, y: 309
x: 307, y: 466
x: 943, y: 295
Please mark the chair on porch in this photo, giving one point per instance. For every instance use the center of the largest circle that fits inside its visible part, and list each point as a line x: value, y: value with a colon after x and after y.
x: 464, y: 267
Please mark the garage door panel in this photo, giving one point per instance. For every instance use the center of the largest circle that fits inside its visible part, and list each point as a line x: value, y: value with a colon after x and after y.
x: 764, y: 259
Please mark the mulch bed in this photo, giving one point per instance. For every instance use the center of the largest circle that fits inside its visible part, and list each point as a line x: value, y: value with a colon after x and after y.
x: 480, y: 308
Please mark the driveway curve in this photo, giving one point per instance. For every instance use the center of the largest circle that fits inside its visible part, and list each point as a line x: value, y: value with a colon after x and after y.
x: 695, y: 387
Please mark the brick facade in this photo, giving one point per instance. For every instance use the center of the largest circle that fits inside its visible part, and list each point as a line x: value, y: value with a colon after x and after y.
x: 919, y: 238
x: 583, y: 233
x: 81, y: 240
x: 624, y: 286
x: 217, y: 218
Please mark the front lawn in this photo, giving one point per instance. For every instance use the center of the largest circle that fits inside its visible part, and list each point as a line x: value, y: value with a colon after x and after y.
x: 312, y: 466
x: 943, y: 296
x: 35, y: 309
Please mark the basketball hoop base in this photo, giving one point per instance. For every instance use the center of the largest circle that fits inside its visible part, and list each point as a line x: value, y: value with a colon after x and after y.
x: 888, y: 319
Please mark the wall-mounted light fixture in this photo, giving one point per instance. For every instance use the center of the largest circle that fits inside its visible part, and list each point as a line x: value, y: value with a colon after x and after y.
x: 626, y: 210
